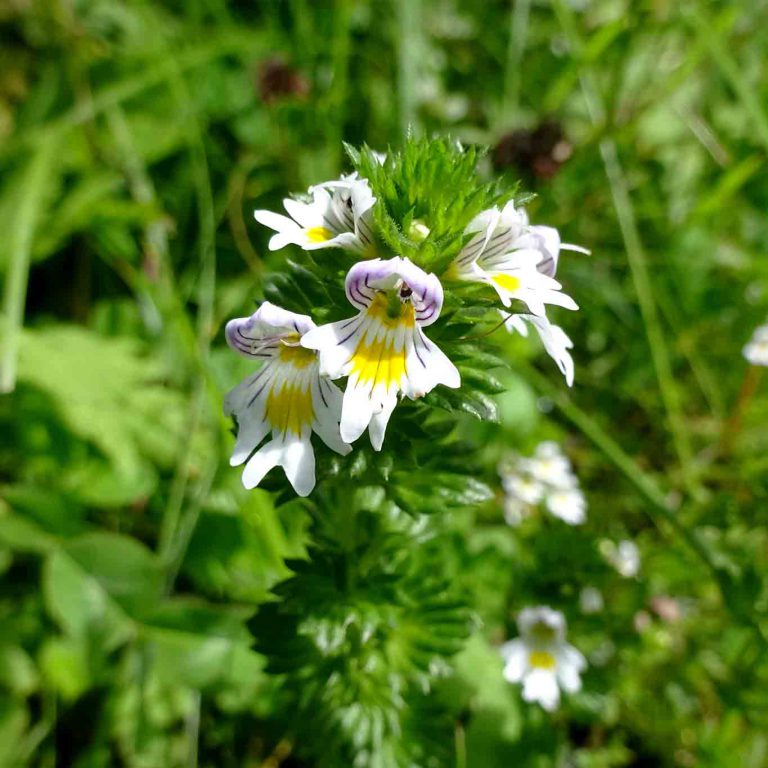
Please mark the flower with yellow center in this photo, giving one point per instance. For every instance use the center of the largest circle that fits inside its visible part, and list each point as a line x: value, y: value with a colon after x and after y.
x: 339, y: 214
x: 383, y: 349
x: 540, y: 658
x: 286, y: 397
x: 514, y: 258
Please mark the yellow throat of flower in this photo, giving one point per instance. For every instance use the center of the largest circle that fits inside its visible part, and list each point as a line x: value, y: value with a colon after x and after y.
x: 292, y: 352
x: 506, y: 282
x: 289, y: 407
x: 541, y: 660
x: 391, y: 311
x: 318, y: 234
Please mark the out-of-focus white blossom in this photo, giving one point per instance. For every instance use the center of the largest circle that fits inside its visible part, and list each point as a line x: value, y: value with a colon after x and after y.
x: 547, y: 479
x: 540, y: 658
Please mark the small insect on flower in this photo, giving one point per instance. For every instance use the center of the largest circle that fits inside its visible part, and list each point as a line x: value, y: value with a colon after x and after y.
x: 286, y: 397
x: 540, y: 658
x: 518, y: 260
x: 756, y: 351
x: 556, y: 342
x: 383, y: 349
x: 339, y: 215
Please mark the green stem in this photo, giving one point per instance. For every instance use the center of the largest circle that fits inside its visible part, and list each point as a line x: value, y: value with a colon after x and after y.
x: 636, y: 257
x: 20, y: 241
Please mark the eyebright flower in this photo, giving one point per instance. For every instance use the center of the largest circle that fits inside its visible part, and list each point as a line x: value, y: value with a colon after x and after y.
x: 541, y: 659
x: 546, y: 477
x: 756, y: 351
x: 339, y: 214
x: 517, y: 260
x: 286, y: 397
x: 555, y: 340
x: 383, y: 349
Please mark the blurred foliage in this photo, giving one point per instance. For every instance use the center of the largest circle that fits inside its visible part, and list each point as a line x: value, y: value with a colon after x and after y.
x: 153, y: 613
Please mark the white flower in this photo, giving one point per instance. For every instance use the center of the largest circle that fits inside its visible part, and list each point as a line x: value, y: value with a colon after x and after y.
x: 526, y: 489
x: 383, y: 349
x: 541, y: 659
x: 624, y: 556
x: 568, y: 504
x: 339, y: 214
x: 286, y: 397
x: 555, y: 340
x: 756, y: 351
x: 546, y: 477
x: 504, y: 251
x: 549, y: 465
x: 591, y: 600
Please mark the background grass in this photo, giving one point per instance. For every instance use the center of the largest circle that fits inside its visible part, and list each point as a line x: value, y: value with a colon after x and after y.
x: 136, y: 139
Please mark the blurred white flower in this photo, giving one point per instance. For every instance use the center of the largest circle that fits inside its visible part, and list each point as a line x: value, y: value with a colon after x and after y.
x: 546, y: 477
x: 756, y: 351
x: 624, y: 556
x: 524, y: 488
x: 591, y: 600
x: 540, y: 658
x: 549, y: 465
x: 568, y: 504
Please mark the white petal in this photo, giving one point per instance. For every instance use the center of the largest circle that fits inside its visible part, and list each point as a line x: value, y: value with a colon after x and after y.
x: 356, y: 411
x: 252, y: 429
x: 516, y: 660
x: 570, y: 663
x: 299, y: 464
x: 307, y: 216
x: 379, y: 421
x: 327, y: 400
x: 335, y: 342
x: 275, y: 221
x: 266, y: 458
x: 541, y: 685
x: 427, y: 366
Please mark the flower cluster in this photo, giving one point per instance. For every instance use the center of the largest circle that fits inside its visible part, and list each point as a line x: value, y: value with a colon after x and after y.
x: 546, y: 477
x: 540, y: 658
x: 382, y: 349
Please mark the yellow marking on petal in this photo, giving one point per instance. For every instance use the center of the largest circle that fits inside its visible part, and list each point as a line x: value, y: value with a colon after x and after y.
x: 289, y: 407
x: 296, y: 355
x: 391, y: 312
x: 318, y: 234
x: 378, y: 363
x: 541, y: 660
x: 506, y: 282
